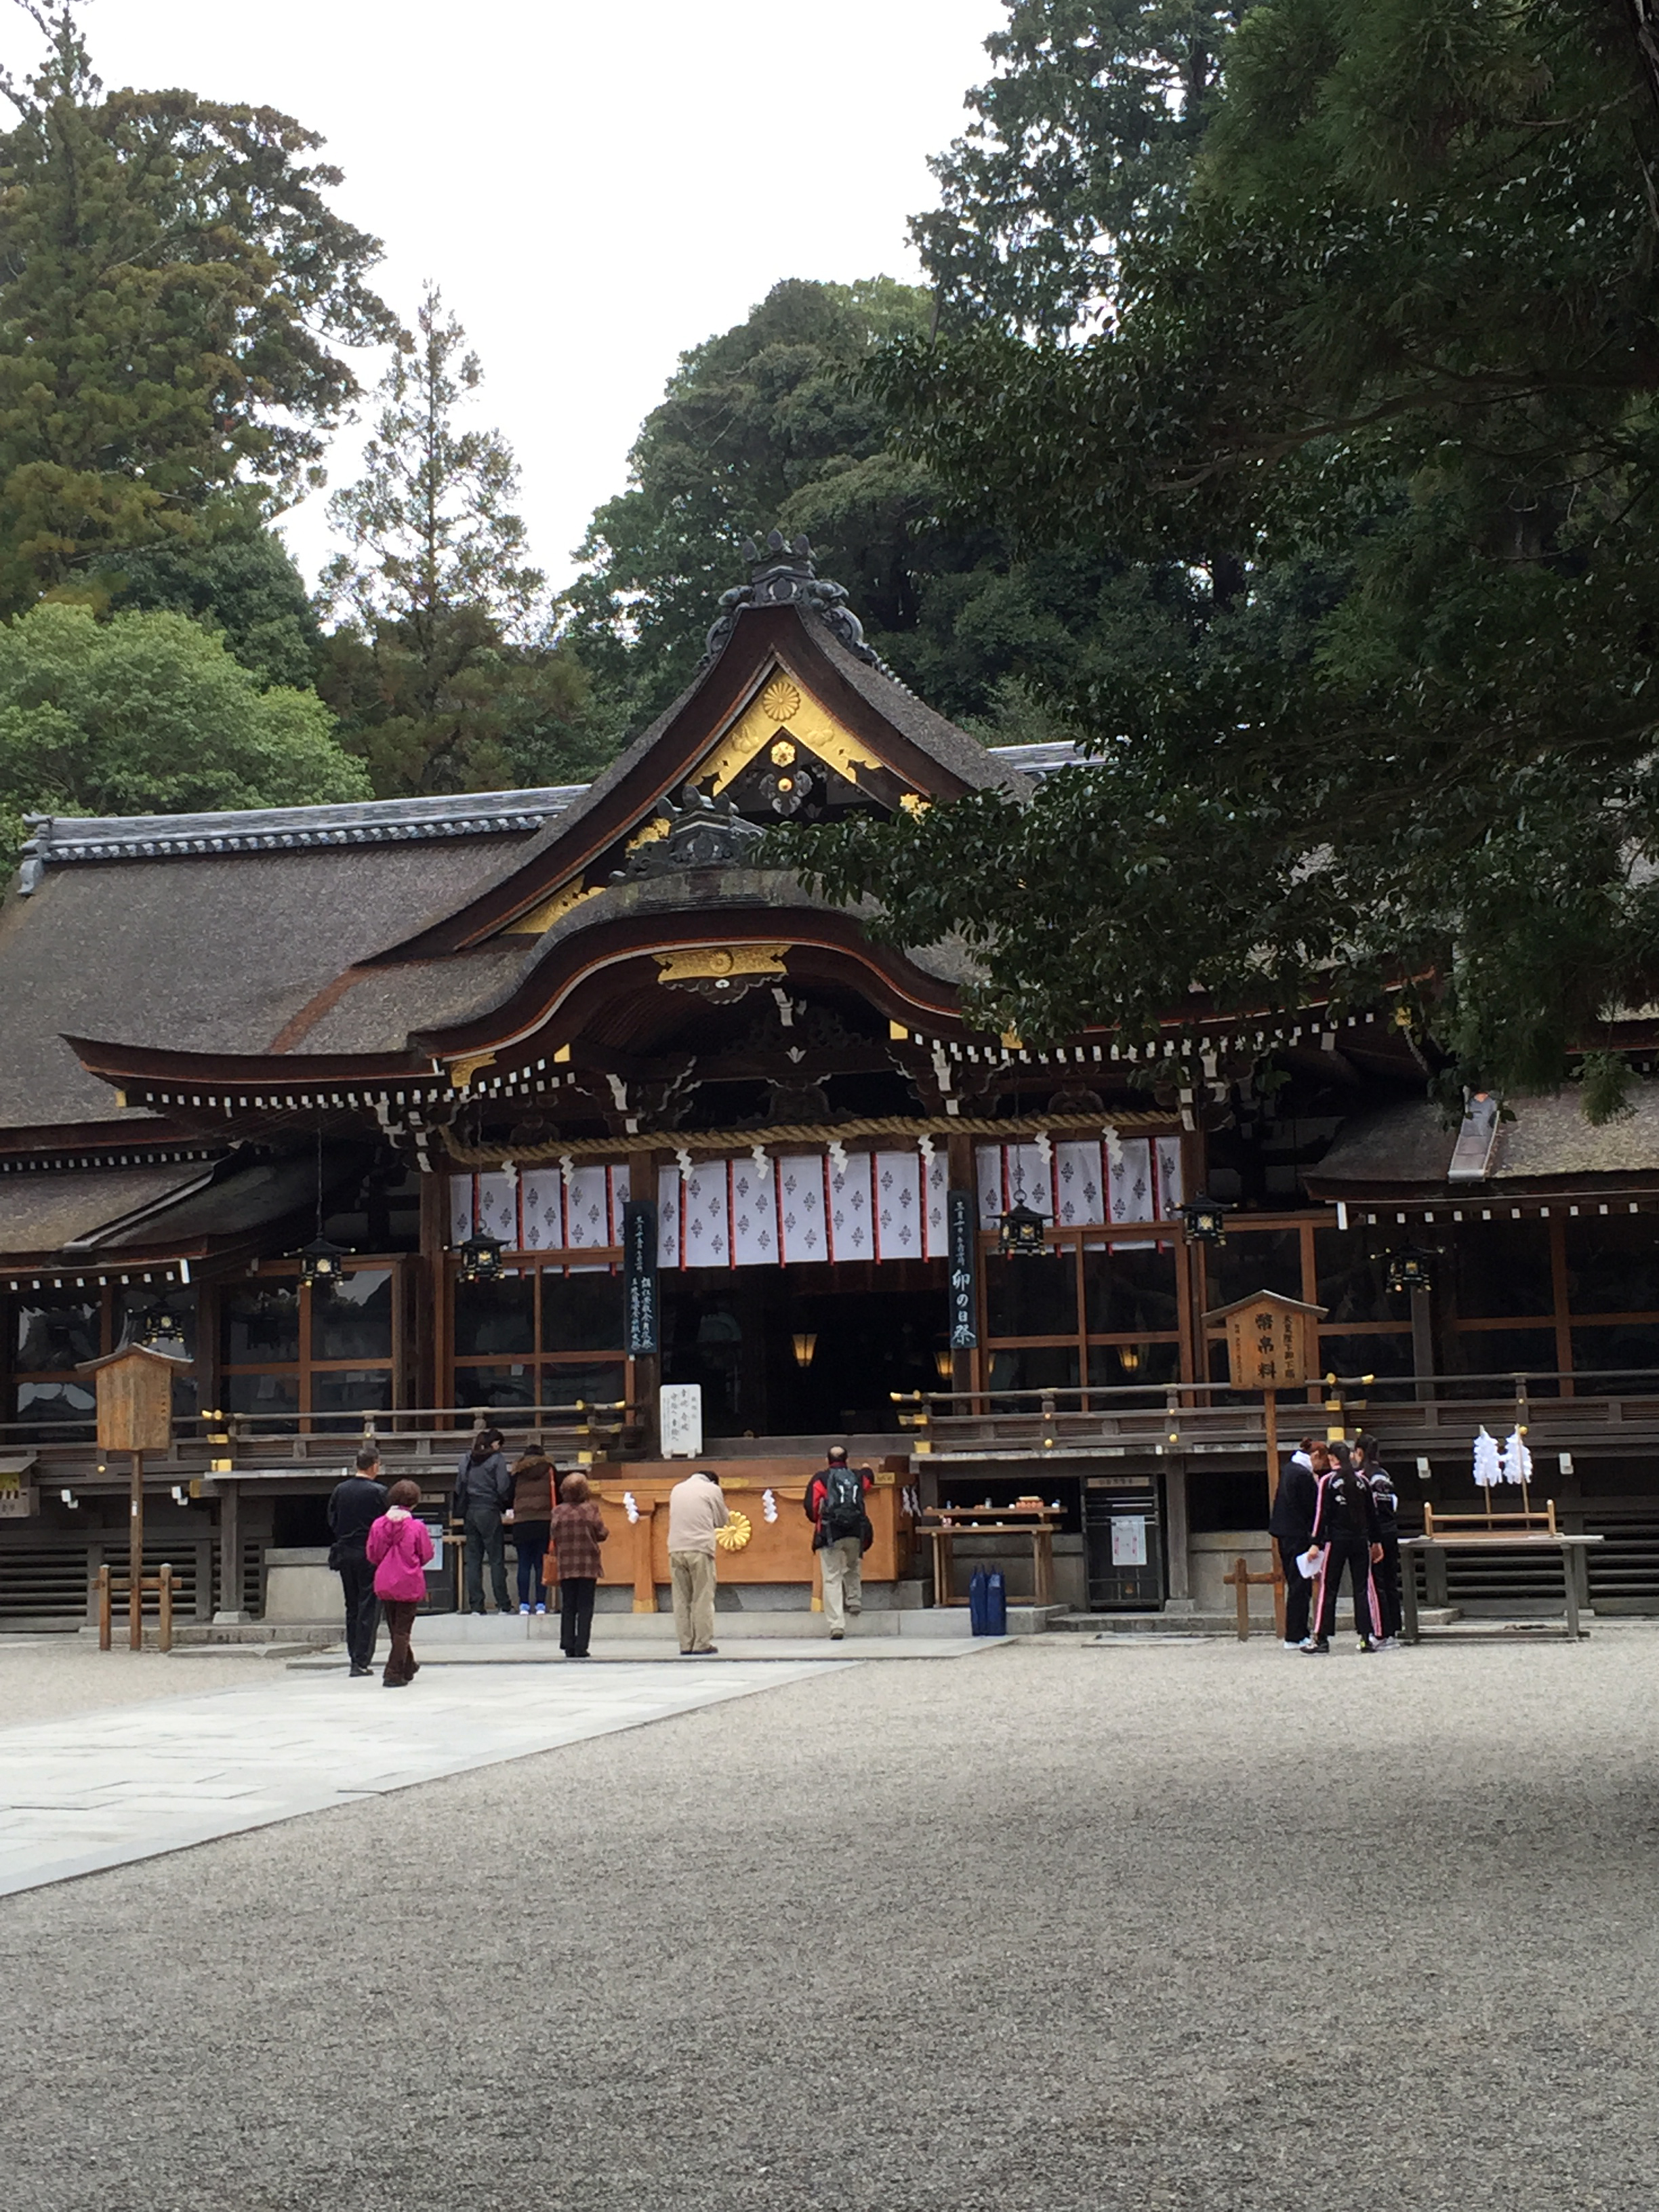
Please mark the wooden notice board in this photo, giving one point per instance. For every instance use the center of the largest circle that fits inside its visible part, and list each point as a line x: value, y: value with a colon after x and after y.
x: 1270, y: 1341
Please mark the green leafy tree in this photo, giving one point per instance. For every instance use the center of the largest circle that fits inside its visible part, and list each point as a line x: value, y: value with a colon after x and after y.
x: 174, y: 286
x: 1085, y: 135
x: 769, y: 423
x: 443, y: 673
x: 146, y: 713
x: 241, y: 582
x: 1402, y: 334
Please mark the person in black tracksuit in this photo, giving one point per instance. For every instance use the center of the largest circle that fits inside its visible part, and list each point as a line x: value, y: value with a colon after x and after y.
x: 1346, y: 1524
x: 1290, y: 1525
x: 353, y: 1505
x: 1385, y: 1576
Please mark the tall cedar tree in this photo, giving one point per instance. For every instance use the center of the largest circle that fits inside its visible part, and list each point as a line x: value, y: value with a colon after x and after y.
x: 1084, y: 135
x: 1407, y: 319
x: 442, y: 671
x: 768, y: 423
x: 174, y: 283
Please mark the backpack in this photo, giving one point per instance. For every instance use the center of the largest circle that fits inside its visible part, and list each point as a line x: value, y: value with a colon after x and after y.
x: 842, y: 1511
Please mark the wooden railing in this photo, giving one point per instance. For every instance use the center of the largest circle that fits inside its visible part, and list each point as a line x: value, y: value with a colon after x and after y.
x: 1430, y: 1413
x: 415, y: 1436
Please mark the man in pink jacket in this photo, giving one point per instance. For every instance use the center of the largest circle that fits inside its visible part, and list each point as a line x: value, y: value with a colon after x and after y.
x: 398, y: 1549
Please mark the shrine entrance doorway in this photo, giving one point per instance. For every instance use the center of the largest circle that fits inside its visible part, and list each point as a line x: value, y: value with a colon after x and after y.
x: 783, y: 1351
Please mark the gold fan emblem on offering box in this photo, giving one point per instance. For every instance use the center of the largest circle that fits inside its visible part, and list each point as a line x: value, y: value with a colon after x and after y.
x: 780, y: 700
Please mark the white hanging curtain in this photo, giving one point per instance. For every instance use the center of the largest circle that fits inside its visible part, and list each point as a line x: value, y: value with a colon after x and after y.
x: 668, y: 1218
x: 1080, y: 1186
x: 987, y: 1179
x: 462, y: 1218
x: 1171, y: 1183
x: 754, y: 1214
x: 851, y: 1217
x: 1130, y: 1181
x: 939, y: 1222
x: 801, y: 1208
x: 498, y: 1208
x: 587, y: 1210
x: 898, y: 1206
x: 541, y: 1209
x: 705, y: 1219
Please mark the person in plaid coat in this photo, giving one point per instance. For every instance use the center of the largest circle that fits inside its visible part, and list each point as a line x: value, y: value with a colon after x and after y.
x: 576, y: 1532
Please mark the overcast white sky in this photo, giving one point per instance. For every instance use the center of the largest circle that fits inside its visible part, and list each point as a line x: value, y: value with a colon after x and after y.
x: 596, y: 186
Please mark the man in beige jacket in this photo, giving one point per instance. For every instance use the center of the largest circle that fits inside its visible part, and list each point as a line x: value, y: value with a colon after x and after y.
x: 695, y: 1511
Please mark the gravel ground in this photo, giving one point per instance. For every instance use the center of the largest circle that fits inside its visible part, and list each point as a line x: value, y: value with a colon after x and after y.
x: 43, y: 1678
x: 1097, y: 1930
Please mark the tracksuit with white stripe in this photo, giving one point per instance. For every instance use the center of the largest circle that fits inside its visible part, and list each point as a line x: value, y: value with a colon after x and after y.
x: 1345, y: 1526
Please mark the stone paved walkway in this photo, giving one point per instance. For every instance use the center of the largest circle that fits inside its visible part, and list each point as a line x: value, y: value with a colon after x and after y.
x: 97, y: 1789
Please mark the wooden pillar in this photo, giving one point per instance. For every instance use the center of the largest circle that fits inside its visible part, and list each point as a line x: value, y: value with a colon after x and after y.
x: 230, y: 1554
x: 136, y: 1555
x: 1176, y: 1531
x: 645, y: 1582
x: 1422, y: 1340
x: 430, y: 1380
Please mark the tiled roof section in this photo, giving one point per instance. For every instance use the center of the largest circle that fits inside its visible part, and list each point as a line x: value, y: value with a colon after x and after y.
x: 60, y: 839
x: 1038, y: 760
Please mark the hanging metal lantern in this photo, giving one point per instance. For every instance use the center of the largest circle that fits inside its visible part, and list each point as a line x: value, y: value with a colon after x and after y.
x: 1411, y: 1269
x: 1020, y: 1233
x: 806, y: 1342
x: 480, y: 1258
x: 321, y: 1264
x: 1204, y: 1220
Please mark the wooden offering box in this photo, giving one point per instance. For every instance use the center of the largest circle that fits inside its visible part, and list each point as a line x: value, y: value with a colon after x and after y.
x: 778, y: 1551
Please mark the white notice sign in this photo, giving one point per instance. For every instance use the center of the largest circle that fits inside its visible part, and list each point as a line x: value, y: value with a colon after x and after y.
x: 679, y: 1411
x: 1128, y: 1539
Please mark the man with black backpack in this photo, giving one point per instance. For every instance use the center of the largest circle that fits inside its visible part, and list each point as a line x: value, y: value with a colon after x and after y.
x: 841, y: 1534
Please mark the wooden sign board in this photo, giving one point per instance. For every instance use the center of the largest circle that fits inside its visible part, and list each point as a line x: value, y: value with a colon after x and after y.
x: 1270, y: 1341
x: 134, y: 1397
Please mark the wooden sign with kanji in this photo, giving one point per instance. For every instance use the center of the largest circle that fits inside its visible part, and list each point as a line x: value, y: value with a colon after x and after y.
x: 1270, y: 1341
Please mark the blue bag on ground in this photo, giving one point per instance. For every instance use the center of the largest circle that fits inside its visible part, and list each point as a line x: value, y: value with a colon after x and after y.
x: 996, y: 1604
x: 976, y: 1582
x: 987, y: 1602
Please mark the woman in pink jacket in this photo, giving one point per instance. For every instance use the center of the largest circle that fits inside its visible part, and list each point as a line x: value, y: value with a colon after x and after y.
x: 398, y: 1549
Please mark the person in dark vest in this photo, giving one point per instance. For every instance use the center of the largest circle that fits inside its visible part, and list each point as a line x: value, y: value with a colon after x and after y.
x: 840, y: 1535
x: 1345, y: 1529
x: 1290, y: 1525
x: 1386, y: 1573
x: 354, y: 1506
x: 484, y: 1492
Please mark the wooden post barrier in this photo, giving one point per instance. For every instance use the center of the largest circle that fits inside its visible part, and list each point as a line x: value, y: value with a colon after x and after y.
x: 160, y: 1582
x: 1239, y: 1582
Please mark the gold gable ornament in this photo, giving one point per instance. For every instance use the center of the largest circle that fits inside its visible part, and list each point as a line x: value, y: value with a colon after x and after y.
x: 721, y: 971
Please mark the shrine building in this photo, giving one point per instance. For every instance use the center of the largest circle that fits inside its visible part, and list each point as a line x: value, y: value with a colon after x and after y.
x: 527, y: 1105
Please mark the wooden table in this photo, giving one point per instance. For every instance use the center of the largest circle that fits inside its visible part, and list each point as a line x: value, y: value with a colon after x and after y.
x: 947, y: 1522
x: 1572, y: 1551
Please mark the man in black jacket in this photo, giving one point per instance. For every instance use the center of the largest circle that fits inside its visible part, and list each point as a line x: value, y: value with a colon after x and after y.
x: 1290, y: 1523
x: 353, y: 1506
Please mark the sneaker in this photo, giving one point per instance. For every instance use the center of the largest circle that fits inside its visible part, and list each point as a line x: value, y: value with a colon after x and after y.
x: 524, y: 1609
x: 1366, y: 1645
x: 357, y: 1671
x: 541, y: 1608
x: 1389, y: 1643
x: 1290, y: 1645
x: 1316, y: 1647
x: 836, y: 1634
x: 707, y: 1652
